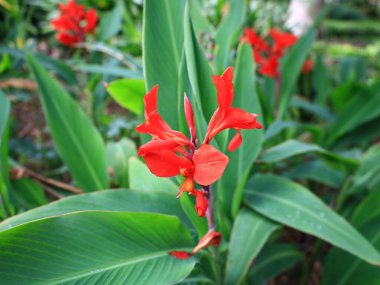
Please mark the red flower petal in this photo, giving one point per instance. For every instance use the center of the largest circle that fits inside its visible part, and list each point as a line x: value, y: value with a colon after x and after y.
x: 225, y: 88
x: 166, y: 163
x: 270, y: 67
x: 150, y: 101
x: 187, y: 186
x: 156, y: 145
x: 189, y: 114
x: 91, y: 20
x: 211, y: 237
x: 181, y: 254
x: 209, y: 164
x: 235, y: 142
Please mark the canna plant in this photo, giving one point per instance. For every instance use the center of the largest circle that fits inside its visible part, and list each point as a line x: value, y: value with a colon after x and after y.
x: 238, y: 199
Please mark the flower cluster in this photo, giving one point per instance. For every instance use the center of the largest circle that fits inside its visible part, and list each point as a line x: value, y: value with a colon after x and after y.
x: 267, y: 56
x: 74, y: 23
x: 171, y: 153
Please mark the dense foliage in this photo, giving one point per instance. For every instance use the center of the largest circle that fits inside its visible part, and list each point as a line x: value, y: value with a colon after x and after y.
x: 187, y: 141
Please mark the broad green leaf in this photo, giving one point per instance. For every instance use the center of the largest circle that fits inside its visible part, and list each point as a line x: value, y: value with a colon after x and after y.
x: 118, y: 154
x: 249, y: 234
x: 200, y: 21
x: 199, y: 71
x: 140, y: 178
x: 319, y: 171
x: 293, y: 205
x: 110, y: 23
x: 271, y: 261
x: 290, y: 69
x: 341, y: 268
x: 358, y: 110
x: 128, y: 93
x: 75, y: 137
x: 242, y: 158
x: 229, y: 29
x: 28, y: 193
x: 368, y: 209
x: 108, y: 200
x: 95, y: 247
x: 163, y: 45
x: 291, y: 148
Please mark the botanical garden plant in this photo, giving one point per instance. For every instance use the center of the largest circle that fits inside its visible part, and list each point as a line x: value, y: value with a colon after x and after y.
x: 297, y: 197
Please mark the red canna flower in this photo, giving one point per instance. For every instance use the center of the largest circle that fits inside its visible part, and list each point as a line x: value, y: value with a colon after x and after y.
x: 270, y: 67
x: 308, y: 66
x: 73, y: 23
x: 170, y: 152
x: 282, y: 41
x: 254, y: 40
x: 226, y: 116
x: 267, y: 57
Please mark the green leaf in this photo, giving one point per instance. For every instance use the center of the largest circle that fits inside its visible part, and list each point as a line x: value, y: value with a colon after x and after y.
x: 200, y: 224
x: 319, y: 171
x: 272, y: 260
x: 95, y: 247
x: 367, y: 175
x: 118, y: 154
x: 341, y: 268
x: 291, y: 148
x: 163, y: 46
x: 293, y: 205
x: 358, y: 110
x: 230, y: 27
x: 368, y: 209
x: 5, y: 108
x: 6, y: 208
x: 108, y: 200
x: 290, y: 69
x: 200, y: 21
x: 140, y: 178
x: 28, y: 193
x: 242, y: 158
x: 321, y: 80
x: 249, y: 234
x: 128, y: 93
x: 111, y: 22
x: 75, y: 137
x: 199, y: 71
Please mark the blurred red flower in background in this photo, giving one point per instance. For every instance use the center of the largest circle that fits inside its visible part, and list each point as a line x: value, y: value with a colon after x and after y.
x: 74, y: 23
x: 267, y: 56
x: 308, y: 66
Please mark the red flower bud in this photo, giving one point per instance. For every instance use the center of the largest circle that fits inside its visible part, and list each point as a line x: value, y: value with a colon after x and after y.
x: 200, y: 204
